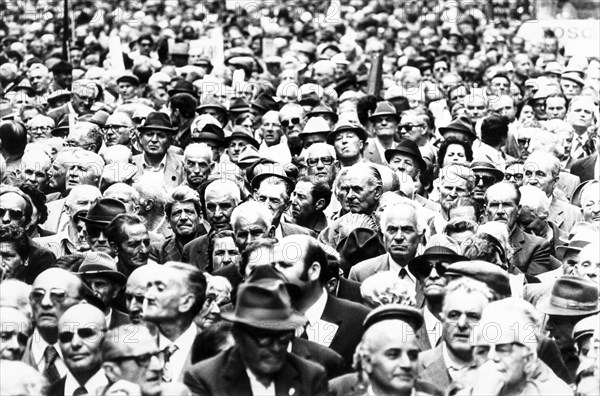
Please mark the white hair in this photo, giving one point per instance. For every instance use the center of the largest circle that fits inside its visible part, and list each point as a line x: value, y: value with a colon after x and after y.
x: 534, y: 198
x: 548, y: 142
x: 251, y: 209
x: 401, y: 206
x: 202, y: 149
x: 224, y: 185
x: 148, y: 188
x: 84, y: 190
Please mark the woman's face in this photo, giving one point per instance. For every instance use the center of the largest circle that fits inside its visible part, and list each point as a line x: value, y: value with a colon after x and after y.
x: 225, y: 252
x: 455, y: 153
x: 526, y: 113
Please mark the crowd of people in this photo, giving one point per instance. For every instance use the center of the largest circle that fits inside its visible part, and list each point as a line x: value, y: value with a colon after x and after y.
x: 355, y: 198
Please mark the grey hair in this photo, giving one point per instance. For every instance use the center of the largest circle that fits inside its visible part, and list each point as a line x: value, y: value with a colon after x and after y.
x: 200, y: 148
x: 555, y: 162
x: 470, y: 286
x: 183, y: 194
x: 458, y: 170
x: 534, y: 198
x: 399, y: 206
x: 251, y: 207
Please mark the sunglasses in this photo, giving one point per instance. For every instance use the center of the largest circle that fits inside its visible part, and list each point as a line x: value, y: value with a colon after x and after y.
x: 93, y: 231
x: 14, y: 214
x: 141, y: 360
x: 523, y: 142
x: 516, y: 176
x: 487, y: 180
x: 265, y: 340
x: 324, y: 160
x: 8, y: 335
x: 83, y: 333
x: 291, y: 121
x: 409, y: 127
x: 114, y: 127
x: 57, y: 296
x: 423, y: 271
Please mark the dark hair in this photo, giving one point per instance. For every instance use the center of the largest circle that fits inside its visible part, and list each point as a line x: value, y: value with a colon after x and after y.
x: 494, y: 130
x: 484, y: 247
x: 13, y: 136
x: 447, y: 143
x: 320, y: 189
x: 196, y: 283
x: 314, y: 252
x: 28, y: 203
x: 70, y: 262
x: 10, y: 233
x: 461, y: 202
x: 209, y: 341
x: 115, y: 230
x: 253, y: 247
x: 458, y: 225
x: 185, y: 103
x: 38, y: 199
x: 212, y: 236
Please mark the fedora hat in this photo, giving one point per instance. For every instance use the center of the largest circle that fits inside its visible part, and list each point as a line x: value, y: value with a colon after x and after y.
x: 265, y: 304
x: 207, y: 129
x: 285, y: 172
x: 384, y: 108
x: 488, y: 167
x: 323, y: 110
x: 103, y: 211
x: 248, y: 156
x: 62, y: 127
x: 576, y: 197
x: 361, y: 244
x: 553, y: 68
x: 440, y: 248
x: 492, y: 275
x: 407, y: 147
x: 239, y: 132
x: 347, y: 125
x: 570, y: 296
x: 210, y: 102
x: 460, y: 124
x: 239, y: 106
x: 587, y: 230
x: 157, y: 121
x: 412, y: 316
x: 203, y: 61
x: 58, y: 94
x: 25, y: 85
x: 100, y: 263
x: 265, y: 103
x: 574, y: 77
x: 183, y: 86
x: 576, y: 243
x: 316, y: 125
x: 129, y: 77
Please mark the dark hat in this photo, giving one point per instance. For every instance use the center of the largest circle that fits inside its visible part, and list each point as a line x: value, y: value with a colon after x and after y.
x: 183, y: 86
x: 104, y: 211
x: 25, y: 85
x: 239, y: 106
x: 100, y: 263
x: 204, y: 62
x: 60, y: 93
x: 322, y: 110
x: 62, y: 128
x: 157, y: 121
x: 264, y: 171
x: 361, y: 244
x: 265, y: 304
x: 491, y: 274
x: 407, y: 147
x: 129, y: 77
x: 576, y: 197
x: 412, y: 316
x: 99, y: 118
x: 574, y: 77
x: 239, y: 132
x: 585, y: 326
x: 347, y: 125
x: 265, y: 103
x: 488, y: 167
x: 267, y: 271
x: 439, y: 247
x: 210, y: 102
x: 209, y: 132
x: 460, y: 124
x: 248, y: 156
x: 309, y: 98
x: 61, y: 66
x: 571, y: 296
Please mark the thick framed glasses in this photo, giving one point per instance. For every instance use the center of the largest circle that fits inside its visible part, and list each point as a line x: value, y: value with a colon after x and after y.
x: 265, y: 339
x: 487, y: 180
x: 516, y: 176
x: 57, y: 296
x: 409, y: 127
x: 13, y: 214
x: 141, y: 360
x: 328, y: 160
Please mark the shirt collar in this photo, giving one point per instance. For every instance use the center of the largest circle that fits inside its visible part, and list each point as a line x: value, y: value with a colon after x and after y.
x: 450, y: 362
x: 314, y: 313
x: 38, y: 347
x: 97, y: 381
x: 183, y: 342
x: 161, y: 166
x: 394, y: 266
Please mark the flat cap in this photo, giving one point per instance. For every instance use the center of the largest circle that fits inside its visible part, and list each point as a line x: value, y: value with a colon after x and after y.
x: 411, y: 316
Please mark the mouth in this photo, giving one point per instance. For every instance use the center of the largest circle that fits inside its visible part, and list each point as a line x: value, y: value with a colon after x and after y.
x: 78, y: 356
x: 462, y: 337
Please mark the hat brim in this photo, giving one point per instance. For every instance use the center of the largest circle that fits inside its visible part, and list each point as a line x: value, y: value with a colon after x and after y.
x: 157, y: 127
x: 259, y: 178
x: 362, y: 134
x: 238, y: 135
x: 128, y: 79
x: 389, y: 154
x: 545, y: 307
x: 444, y: 130
x: 422, y: 260
x: 117, y: 276
x: 386, y: 113
x: 496, y: 172
x: 322, y: 113
x: 211, y: 106
x: 292, y: 323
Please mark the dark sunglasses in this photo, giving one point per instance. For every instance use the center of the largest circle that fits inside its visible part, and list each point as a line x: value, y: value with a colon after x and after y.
x: 516, y: 176
x: 92, y: 231
x: 487, y: 180
x: 291, y: 121
x: 138, y: 299
x: 14, y: 214
x: 21, y: 337
x: 264, y: 339
x: 83, y: 332
x: 57, y: 296
x: 523, y: 141
x: 141, y: 360
x: 325, y: 160
x: 409, y: 127
x: 423, y: 271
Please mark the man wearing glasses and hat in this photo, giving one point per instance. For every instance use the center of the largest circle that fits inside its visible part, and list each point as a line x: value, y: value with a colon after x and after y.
x: 83, y: 96
x: 156, y: 136
x: 385, y: 121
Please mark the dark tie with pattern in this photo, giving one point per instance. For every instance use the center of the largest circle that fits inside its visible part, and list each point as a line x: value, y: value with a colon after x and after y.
x: 50, y: 371
x: 80, y: 391
x: 167, y: 369
x: 403, y: 273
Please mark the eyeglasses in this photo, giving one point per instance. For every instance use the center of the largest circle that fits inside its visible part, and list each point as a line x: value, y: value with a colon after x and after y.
x: 291, y: 121
x: 423, y: 271
x: 92, y: 231
x: 141, y: 360
x: 151, y: 134
x: 40, y: 128
x: 409, y: 127
x: 21, y: 337
x: 264, y: 340
x: 114, y: 127
x: 13, y: 214
x: 324, y: 160
x: 523, y: 141
x: 86, y: 99
x: 516, y: 176
x: 501, y: 349
x: 57, y: 296
x: 83, y: 332
x: 487, y: 180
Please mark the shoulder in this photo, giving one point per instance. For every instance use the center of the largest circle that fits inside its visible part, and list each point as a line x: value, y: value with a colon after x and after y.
x: 367, y: 264
x: 423, y: 388
x: 195, y: 242
x: 208, y: 367
x: 291, y: 229
x: 344, y: 384
x: 426, y: 358
x: 359, y: 311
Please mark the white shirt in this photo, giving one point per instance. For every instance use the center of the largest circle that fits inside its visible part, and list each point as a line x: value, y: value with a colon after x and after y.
x: 160, y: 171
x: 259, y: 389
x: 382, y: 150
x: 395, y: 267
x: 108, y: 317
x: 319, y: 330
x: 97, y: 381
x: 433, y: 326
x: 184, y: 346
x: 38, y: 347
x: 455, y: 369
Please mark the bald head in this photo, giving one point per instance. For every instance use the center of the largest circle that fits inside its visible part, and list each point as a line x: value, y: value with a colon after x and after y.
x: 137, y: 283
x: 15, y: 293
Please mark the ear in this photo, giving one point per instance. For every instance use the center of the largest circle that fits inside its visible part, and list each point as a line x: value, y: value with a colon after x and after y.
x: 148, y: 205
x: 110, y: 370
x: 320, y: 204
x: 115, y: 292
x: 114, y: 247
x: 314, y: 271
x: 378, y: 192
x: 332, y: 285
x: 186, y: 302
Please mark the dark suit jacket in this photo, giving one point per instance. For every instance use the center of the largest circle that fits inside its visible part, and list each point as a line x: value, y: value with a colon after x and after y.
x: 39, y: 260
x: 58, y: 112
x: 584, y: 168
x: 232, y: 273
x: 330, y: 360
x: 349, y: 385
x: 194, y: 252
x: 118, y: 318
x: 349, y: 290
x: 225, y: 374
x: 531, y: 253
x: 57, y: 388
x: 349, y: 317
x: 167, y: 250
x: 174, y: 174
x: 433, y: 369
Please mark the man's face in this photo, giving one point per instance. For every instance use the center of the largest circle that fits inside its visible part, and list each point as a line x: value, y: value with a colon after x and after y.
x: 581, y: 114
x: 134, y: 249
x: 225, y: 252
x: 362, y: 196
x: 271, y: 127
x: 274, y: 197
x: 219, y: 205
x: 483, y: 180
x: 145, y: 46
x: 347, y: 145
x: 39, y: 80
x: 451, y: 188
x: 315, y: 161
x: 117, y: 132
x: 103, y: 287
x: 475, y: 108
x: 130, y: 370
x: 523, y: 65
x: 235, y: 148
x: 561, y: 329
x: 500, y: 85
x: 401, y: 236
x: 81, y: 173
x: 263, y: 351
x: 34, y: 174
x: 405, y: 164
x: 163, y: 295
x: 197, y: 168
x: 433, y: 285
x: 569, y: 88
x: 11, y: 262
x: 155, y: 143
x: 302, y: 201
x: 57, y: 175
x: 590, y: 204
x: 126, y: 90
x: 588, y: 265
x: 184, y: 219
x: 385, y: 126
x: 39, y: 129
x: 12, y: 209
x: 514, y: 174
x: 502, y: 206
x: 81, y: 332
x: 323, y: 75
x: 539, y: 174
x: 134, y: 298
x: 82, y: 100
x: 460, y: 313
x: 51, y: 296
x: 248, y: 229
x: 504, y: 106
x: 413, y: 128
x: 97, y: 239
x: 556, y: 108
x: 15, y: 327
x: 292, y: 121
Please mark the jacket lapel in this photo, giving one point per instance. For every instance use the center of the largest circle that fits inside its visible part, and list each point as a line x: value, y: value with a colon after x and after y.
x: 287, y: 382
x: 331, y: 314
x: 234, y: 374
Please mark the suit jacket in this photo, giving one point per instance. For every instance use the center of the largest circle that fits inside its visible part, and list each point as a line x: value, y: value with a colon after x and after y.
x: 173, y: 175
x: 225, y: 374
x: 349, y: 385
x: 57, y: 216
x: 327, y: 358
x: 584, y: 168
x: 194, y: 252
x: 433, y: 369
x: 372, y: 154
x: 531, y: 253
x: 58, y: 112
x: 118, y: 318
x: 57, y: 388
x: 563, y: 214
x: 349, y: 317
x: 567, y: 182
x: 293, y: 229
x: 39, y: 260
x: 58, y: 244
x: 349, y: 290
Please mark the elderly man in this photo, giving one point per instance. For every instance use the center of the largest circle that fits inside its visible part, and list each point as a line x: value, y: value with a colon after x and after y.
x: 308, y: 201
x: 156, y: 136
x: 348, y: 139
x: 53, y: 292
x: 542, y: 170
x: 486, y: 174
x: 83, y: 96
x: 129, y: 241
x: 18, y: 378
x: 531, y: 253
x: 197, y: 164
x: 456, y: 180
x: 85, y: 135
x: 588, y: 265
x: 387, y: 355
x: 15, y: 329
x: 259, y: 363
x: 581, y: 115
x: 221, y: 197
x: 33, y: 169
x: 237, y: 141
x: 135, y: 289
x: 173, y: 298
x: 321, y: 162
x: 99, y: 216
x: 39, y: 128
x: 362, y: 187
x: 385, y: 121
x: 274, y: 144
x: 119, y: 129
x: 292, y: 118
x: 81, y: 331
x: 508, y: 363
x: 333, y: 322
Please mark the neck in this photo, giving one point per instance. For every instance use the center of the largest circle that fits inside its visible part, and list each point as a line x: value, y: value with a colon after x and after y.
x: 181, y: 240
x: 379, y: 390
x: 386, y: 141
x: 434, y: 305
x: 349, y: 161
x: 467, y: 358
x: 309, y: 299
x: 172, y: 330
x: 49, y: 334
x: 307, y: 221
x: 82, y: 378
x: 153, y: 160
x: 579, y: 130
x: 153, y: 219
x: 185, y: 124
x: 402, y: 260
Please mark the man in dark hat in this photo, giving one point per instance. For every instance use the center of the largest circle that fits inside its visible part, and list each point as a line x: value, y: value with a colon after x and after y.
x: 240, y: 137
x: 207, y: 129
x: 406, y: 158
x: 309, y: 198
x: 460, y: 128
x: 486, y: 174
x: 211, y: 105
x: 156, y: 136
x: 348, y: 138
x: 98, y: 218
x: 385, y: 121
x: 127, y: 85
x: 62, y: 75
x: 99, y: 271
x: 259, y: 363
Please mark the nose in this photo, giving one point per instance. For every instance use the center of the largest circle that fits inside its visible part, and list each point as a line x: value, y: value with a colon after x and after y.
x: 144, y: 248
x: 226, y: 257
x: 155, y: 364
x: 493, y: 355
x: 404, y: 362
x: 102, y: 237
x: 462, y: 321
x: 214, y: 308
x: 46, y: 301
x: 6, y: 218
x: 453, y: 193
x: 76, y: 342
x: 13, y: 343
x: 434, y: 274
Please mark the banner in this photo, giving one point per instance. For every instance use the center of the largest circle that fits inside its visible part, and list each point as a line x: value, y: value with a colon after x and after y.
x: 578, y: 36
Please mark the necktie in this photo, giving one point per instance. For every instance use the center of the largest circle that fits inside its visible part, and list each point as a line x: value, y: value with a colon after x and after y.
x: 403, y: 273
x: 80, y: 391
x: 167, y: 369
x: 50, y: 371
